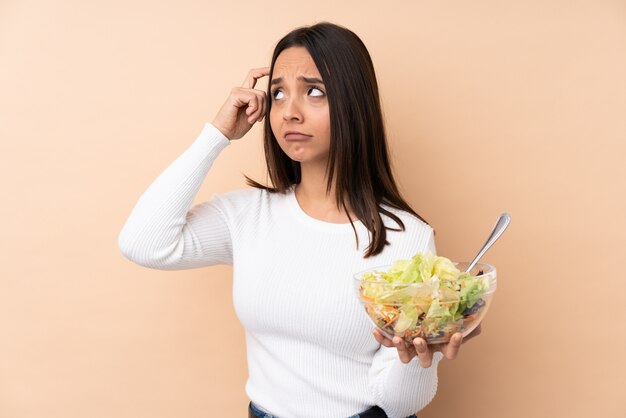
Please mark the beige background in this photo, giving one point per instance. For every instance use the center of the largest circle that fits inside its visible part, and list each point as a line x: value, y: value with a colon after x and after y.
x: 491, y: 106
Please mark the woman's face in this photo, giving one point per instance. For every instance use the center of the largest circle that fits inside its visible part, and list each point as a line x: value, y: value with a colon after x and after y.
x: 299, y: 103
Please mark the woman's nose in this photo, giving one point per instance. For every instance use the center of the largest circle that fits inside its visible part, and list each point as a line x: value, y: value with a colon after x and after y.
x: 292, y: 110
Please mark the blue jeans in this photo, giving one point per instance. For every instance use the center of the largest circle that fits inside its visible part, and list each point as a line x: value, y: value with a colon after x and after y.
x: 263, y: 414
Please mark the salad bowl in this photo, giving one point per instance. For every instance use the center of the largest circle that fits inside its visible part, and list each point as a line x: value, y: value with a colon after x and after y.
x: 426, y: 297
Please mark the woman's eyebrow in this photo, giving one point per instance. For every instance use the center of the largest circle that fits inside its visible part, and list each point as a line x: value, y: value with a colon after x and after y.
x: 310, y: 80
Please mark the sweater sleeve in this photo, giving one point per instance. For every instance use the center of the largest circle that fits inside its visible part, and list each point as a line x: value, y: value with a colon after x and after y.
x: 162, y: 232
x: 403, y: 389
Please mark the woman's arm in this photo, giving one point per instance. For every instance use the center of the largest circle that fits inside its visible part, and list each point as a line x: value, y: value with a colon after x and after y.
x: 403, y: 389
x: 162, y: 232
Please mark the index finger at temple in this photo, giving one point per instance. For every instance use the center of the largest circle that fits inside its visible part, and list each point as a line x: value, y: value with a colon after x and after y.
x: 254, y: 75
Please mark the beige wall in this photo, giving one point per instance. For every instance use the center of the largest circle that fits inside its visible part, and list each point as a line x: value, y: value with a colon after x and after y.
x: 494, y: 106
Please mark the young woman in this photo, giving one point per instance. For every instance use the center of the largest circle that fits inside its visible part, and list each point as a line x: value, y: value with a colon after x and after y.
x: 295, y: 246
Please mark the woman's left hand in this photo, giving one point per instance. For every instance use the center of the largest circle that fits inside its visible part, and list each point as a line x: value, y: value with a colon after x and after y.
x: 423, y: 351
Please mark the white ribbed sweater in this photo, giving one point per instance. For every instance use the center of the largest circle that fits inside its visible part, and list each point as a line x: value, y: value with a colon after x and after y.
x: 310, y: 348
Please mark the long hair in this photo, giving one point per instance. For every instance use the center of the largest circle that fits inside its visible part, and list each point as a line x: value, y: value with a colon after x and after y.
x: 358, y: 156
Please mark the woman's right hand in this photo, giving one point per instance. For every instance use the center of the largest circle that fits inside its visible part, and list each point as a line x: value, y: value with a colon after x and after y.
x: 244, y: 107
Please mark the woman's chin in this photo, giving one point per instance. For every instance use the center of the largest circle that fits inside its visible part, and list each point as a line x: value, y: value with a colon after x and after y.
x: 302, y: 155
x: 297, y: 156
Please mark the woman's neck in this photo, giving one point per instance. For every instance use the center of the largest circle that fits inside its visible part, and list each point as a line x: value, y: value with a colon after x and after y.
x: 315, y: 201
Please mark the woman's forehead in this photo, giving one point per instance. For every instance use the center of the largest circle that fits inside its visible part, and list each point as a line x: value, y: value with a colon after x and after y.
x: 293, y: 62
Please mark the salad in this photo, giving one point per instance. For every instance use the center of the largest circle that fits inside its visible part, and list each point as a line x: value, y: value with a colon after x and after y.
x: 426, y: 296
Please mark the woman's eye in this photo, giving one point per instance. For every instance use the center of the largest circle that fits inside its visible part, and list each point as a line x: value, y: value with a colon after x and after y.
x: 317, y: 95
x: 275, y: 93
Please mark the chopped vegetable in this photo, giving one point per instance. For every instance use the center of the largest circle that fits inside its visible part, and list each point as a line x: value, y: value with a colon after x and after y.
x: 426, y: 296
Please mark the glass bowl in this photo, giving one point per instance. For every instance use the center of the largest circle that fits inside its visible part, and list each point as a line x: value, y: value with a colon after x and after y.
x: 412, y: 310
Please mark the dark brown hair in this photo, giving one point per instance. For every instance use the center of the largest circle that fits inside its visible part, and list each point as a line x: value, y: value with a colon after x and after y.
x: 358, y: 146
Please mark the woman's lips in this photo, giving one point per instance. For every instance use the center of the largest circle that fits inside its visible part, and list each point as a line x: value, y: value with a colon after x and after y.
x: 297, y: 137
